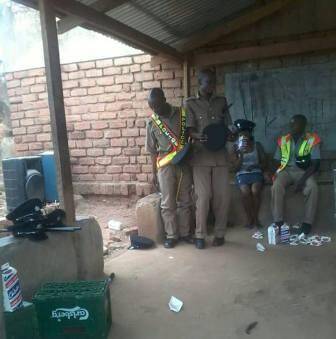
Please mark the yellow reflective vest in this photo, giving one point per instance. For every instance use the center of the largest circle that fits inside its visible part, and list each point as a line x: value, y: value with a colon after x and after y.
x: 284, y: 143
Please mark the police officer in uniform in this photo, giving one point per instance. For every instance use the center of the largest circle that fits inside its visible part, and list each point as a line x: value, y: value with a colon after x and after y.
x: 210, y: 169
x: 163, y: 136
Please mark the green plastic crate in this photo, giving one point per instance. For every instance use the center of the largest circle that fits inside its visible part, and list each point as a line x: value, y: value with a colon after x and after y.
x: 77, y: 310
x: 22, y: 323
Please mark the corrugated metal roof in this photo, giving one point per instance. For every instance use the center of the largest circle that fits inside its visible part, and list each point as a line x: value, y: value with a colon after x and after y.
x: 172, y: 21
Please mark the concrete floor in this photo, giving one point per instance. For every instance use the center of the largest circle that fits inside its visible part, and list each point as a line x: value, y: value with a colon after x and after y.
x: 289, y: 291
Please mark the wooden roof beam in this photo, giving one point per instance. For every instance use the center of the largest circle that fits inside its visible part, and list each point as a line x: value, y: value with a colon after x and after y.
x: 69, y: 22
x: 279, y: 49
x: 248, y: 18
x: 104, y: 24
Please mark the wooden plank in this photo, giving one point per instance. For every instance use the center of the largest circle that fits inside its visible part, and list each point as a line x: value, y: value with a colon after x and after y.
x: 107, y: 25
x: 70, y: 22
x: 56, y: 107
x: 266, y: 51
x: 2, y: 320
x: 244, y: 20
x: 186, y: 78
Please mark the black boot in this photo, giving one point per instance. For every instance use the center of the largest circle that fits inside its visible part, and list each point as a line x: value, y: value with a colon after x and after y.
x: 305, y: 228
x: 200, y: 244
x: 170, y: 243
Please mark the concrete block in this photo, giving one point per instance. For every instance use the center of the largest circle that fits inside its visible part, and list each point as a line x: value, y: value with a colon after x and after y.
x: 149, y: 221
x: 53, y: 259
x: 62, y: 257
x: 89, y: 249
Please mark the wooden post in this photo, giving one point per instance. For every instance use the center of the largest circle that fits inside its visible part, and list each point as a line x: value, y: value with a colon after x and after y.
x: 186, y: 78
x: 2, y: 320
x: 56, y: 107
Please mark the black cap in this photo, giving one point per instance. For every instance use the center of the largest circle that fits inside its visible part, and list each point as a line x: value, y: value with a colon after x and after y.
x: 244, y: 125
x: 139, y: 242
x: 217, y: 136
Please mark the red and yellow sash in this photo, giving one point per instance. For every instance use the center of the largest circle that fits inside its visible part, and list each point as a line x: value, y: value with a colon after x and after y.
x: 177, y: 144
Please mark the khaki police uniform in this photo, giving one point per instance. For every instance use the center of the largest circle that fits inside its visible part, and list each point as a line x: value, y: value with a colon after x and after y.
x: 175, y: 181
x: 210, y: 169
x: 290, y: 176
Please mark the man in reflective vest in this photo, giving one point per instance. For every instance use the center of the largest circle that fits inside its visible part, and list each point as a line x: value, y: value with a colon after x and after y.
x: 165, y: 136
x: 298, y: 157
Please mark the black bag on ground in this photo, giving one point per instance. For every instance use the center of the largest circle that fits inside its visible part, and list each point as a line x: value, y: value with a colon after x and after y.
x: 138, y: 242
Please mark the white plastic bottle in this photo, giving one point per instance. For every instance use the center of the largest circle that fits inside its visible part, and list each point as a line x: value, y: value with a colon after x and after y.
x: 271, y: 232
x: 11, y: 288
x: 284, y: 234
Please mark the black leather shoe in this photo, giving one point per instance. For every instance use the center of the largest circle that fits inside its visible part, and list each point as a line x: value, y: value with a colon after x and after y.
x: 305, y: 228
x: 170, y: 243
x: 188, y: 239
x: 218, y: 242
x: 200, y: 243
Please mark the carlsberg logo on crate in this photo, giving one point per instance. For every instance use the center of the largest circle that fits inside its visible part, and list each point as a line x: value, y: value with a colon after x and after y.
x: 76, y: 313
x: 74, y: 310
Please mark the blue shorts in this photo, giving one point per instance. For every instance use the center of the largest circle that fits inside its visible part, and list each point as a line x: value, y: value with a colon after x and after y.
x: 249, y: 178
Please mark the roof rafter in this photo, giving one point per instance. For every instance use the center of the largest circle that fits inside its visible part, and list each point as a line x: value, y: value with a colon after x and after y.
x: 104, y: 24
x: 69, y: 22
x: 248, y: 18
x: 321, y: 42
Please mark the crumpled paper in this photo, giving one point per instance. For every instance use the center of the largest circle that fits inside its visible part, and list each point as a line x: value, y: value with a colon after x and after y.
x: 260, y: 247
x: 258, y: 235
x: 314, y: 240
x: 175, y: 304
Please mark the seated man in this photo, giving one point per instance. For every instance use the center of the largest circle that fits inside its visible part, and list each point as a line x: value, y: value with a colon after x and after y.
x: 165, y: 135
x: 298, y: 157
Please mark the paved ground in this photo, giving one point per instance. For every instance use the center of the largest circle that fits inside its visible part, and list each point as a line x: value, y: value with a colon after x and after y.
x: 289, y: 291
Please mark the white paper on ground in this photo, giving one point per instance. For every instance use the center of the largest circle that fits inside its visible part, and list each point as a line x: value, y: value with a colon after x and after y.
x: 114, y: 225
x: 294, y: 238
x: 175, y: 304
x: 294, y: 243
x: 316, y: 243
x: 258, y: 235
x: 301, y: 236
x: 260, y: 247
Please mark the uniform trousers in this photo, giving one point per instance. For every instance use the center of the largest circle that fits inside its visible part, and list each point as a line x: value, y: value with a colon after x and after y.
x: 175, y: 183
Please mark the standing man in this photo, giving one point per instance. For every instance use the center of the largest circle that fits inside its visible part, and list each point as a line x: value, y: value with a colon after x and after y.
x: 165, y: 136
x: 298, y: 157
x: 210, y: 168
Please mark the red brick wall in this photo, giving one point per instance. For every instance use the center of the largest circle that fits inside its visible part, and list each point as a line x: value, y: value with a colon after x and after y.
x: 106, y: 108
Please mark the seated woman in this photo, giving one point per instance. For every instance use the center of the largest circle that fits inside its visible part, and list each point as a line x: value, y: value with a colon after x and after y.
x: 249, y: 162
